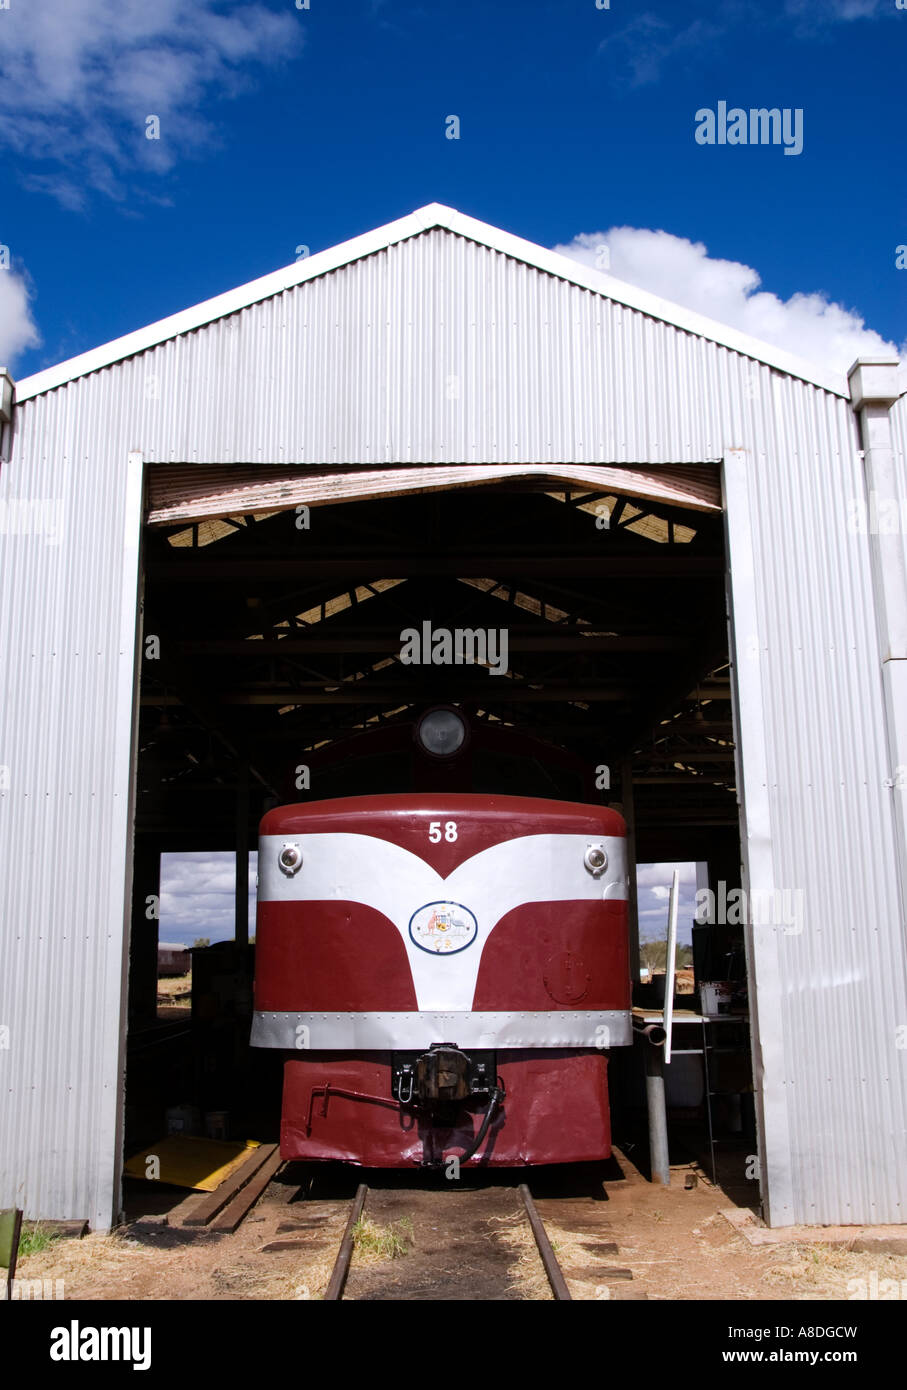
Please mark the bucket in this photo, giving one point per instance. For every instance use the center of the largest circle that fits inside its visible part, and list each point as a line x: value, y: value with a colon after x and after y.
x: 184, y: 1119
x: 715, y: 996
x: 217, y: 1123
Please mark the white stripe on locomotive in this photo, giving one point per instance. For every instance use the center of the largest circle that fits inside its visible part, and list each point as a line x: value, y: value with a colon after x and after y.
x: 356, y: 868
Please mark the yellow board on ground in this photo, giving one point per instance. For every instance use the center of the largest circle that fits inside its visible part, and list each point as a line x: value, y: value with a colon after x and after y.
x: 185, y: 1161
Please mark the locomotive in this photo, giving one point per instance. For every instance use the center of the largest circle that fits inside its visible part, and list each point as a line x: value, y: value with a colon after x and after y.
x: 445, y: 971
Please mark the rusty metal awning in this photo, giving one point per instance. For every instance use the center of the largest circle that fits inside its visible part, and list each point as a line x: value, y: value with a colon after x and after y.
x: 183, y: 493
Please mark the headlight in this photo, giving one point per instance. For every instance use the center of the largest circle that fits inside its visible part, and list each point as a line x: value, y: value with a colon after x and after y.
x: 441, y: 732
x: 290, y: 859
x: 595, y: 860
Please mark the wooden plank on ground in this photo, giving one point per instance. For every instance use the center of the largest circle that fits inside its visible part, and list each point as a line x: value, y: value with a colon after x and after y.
x: 243, y: 1202
x: 597, y: 1274
x: 72, y: 1229
x: 193, y: 1213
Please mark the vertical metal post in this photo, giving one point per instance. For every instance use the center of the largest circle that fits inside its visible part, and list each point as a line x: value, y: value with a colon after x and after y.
x: 670, y: 960
x: 143, y: 938
x: 658, y: 1115
x: 708, y: 1098
x: 629, y: 814
x: 241, y: 919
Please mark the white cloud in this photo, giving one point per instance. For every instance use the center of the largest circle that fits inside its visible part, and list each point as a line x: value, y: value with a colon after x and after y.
x: 682, y: 271
x: 78, y: 80
x: 636, y: 54
x: 659, y: 875
x: 825, y: 11
x: 17, y: 327
x: 198, y: 895
x: 649, y: 46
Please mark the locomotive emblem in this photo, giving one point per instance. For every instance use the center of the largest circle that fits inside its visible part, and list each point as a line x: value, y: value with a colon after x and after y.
x: 443, y: 928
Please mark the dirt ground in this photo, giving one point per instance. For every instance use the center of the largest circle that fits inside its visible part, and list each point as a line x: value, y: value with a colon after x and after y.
x: 457, y: 1249
x: 465, y: 1244
x: 174, y: 998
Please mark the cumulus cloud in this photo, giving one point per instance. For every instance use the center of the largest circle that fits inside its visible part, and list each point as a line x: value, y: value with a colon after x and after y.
x: 198, y: 894
x: 17, y: 327
x: 809, y: 325
x: 659, y: 875
x: 637, y: 53
x: 653, y: 889
x: 640, y: 52
x: 816, y: 12
x: 79, y: 80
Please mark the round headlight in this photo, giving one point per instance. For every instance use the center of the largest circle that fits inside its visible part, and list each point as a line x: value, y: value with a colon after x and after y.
x: 441, y: 732
x: 290, y: 859
x: 595, y: 860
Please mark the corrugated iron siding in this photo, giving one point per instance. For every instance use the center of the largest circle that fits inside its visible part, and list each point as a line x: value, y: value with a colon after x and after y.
x: 436, y: 350
x: 62, y: 885
x: 842, y: 979
x: 440, y: 350
x: 899, y: 437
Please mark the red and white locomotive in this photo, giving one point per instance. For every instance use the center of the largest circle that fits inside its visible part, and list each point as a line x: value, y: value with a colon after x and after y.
x: 444, y: 971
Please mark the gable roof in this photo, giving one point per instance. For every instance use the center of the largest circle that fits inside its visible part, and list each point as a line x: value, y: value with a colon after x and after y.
x: 414, y: 224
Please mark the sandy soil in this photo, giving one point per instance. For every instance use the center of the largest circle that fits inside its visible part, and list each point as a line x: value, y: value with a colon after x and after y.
x: 465, y: 1245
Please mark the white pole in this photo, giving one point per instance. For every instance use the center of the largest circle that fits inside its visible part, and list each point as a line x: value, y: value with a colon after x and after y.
x: 668, y: 1014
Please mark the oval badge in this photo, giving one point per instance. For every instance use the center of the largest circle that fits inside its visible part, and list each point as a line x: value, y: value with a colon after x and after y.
x: 442, y: 929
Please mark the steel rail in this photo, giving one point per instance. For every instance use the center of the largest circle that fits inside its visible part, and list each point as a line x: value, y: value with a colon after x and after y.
x: 549, y: 1259
x: 334, y: 1291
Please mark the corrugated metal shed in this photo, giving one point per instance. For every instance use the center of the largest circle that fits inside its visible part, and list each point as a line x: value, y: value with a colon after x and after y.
x: 443, y: 341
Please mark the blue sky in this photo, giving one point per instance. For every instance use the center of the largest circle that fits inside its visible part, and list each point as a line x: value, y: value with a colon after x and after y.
x: 282, y: 126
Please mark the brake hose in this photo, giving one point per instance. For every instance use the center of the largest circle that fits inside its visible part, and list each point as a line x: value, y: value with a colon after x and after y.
x: 497, y: 1095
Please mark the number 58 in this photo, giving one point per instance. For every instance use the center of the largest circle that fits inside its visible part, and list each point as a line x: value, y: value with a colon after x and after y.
x: 434, y: 831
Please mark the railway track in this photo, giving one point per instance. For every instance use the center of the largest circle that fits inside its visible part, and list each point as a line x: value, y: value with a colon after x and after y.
x: 408, y: 1237
x: 454, y: 1255
x: 482, y: 1238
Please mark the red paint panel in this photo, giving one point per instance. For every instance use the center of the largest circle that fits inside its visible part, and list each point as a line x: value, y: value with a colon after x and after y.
x: 481, y: 821
x: 329, y: 956
x: 569, y: 955
x: 556, y: 1111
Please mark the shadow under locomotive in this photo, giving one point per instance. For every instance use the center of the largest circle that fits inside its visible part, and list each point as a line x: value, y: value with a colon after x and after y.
x: 302, y: 1182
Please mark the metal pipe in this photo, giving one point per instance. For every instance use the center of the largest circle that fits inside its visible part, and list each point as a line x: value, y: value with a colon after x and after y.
x: 670, y: 962
x: 658, y: 1116
x: 241, y: 900
x: 652, y: 1032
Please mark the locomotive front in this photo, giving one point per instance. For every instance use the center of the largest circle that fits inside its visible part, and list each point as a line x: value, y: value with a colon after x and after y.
x: 445, y: 973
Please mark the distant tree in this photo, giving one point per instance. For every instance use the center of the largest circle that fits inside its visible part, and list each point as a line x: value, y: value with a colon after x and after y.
x: 654, y: 955
x: 202, y: 941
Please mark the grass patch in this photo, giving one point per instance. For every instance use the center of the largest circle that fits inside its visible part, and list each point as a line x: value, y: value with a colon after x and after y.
x: 33, y: 1238
x: 385, y: 1242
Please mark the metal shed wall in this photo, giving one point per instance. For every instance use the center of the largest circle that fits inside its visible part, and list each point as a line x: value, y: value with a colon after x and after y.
x: 829, y: 996
x: 899, y: 438
x: 437, y: 350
